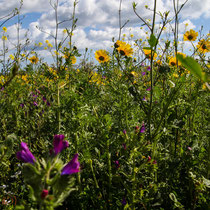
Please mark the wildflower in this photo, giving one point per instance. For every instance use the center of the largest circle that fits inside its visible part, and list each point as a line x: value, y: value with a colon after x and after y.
x: 173, y: 61
x: 48, y: 103
x: 35, y: 104
x: 143, y: 73
x: 148, y: 89
x: 47, y: 41
x: 64, y: 31
x: 4, y: 29
x: 190, y: 35
x: 49, y: 45
x: 154, y: 162
x: 59, y: 143
x: 22, y: 105
x: 147, y: 53
x: 137, y: 129
x: 203, y: 46
x: 25, y: 154
x: 34, y: 59
x: 189, y: 148
x: 44, y: 194
x: 72, y: 167
x: 102, y: 56
x: 148, y: 159
x: 124, y: 131
x: 123, y: 202
x: 12, y: 57
x: 44, y: 99
x: 117, y: 164
x: 148, y: 68
x: 4, y: 38
x: 142, y: 130
x: 125, y: 49
x: 73, y: 59
x: 40, y: 44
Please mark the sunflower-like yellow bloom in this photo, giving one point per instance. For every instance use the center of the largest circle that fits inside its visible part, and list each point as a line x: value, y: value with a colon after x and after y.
x: 34, y: 59
x: 102, y: 56
x: 190, y: 35
x: 204, y: 46
x: 173, y: 61
x: 125, y: 50
x: 4, y: 38
x: 147, y: 53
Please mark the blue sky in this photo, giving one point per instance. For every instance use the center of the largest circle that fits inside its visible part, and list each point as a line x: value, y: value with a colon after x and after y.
x: 97, y: 20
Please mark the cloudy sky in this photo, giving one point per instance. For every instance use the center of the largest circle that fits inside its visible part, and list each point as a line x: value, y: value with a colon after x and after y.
x: 98, y: 20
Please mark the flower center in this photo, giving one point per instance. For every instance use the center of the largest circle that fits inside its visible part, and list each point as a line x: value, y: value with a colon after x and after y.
x: 122, y: 52
x: 173, y: 63
x: 190, y: 37
x: 204, y: 47
x: 101, y: 58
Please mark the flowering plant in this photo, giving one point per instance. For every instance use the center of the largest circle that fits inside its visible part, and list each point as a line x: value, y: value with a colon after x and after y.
x: 48, y: 179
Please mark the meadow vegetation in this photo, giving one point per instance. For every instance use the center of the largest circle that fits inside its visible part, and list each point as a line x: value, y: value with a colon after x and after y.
x: 128, y: 131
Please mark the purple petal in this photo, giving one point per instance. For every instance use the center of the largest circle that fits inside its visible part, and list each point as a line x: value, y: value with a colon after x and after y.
x: 72, y: 167
x: 142, y: 128
x: 25, y: 154
x: 59, y: 143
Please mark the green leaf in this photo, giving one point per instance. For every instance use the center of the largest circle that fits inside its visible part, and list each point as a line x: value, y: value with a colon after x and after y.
x: 193, y: 66
x: 152, y: 41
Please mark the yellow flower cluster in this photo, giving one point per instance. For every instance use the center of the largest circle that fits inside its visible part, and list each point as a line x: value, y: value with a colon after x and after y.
x: 123, y: 48
x: 96, y: 78
x: 147, y: 53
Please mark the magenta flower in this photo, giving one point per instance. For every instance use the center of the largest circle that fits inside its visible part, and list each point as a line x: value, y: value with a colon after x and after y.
x: 72, y: 167
x: 44, y: 194
x: 124, y: 146
x: 117, y: 164
x: 25, y: 154
x: 124, y: 131
x: 59, y: 144
x: 35, y: 104
x: 142, y: 130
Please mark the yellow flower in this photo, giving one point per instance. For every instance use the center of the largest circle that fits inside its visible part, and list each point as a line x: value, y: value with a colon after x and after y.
x: 49, y: 45
x: 64, y: 31
x: 131, y: 35
x: 12, y: 57
x: 45, y: 48
x: 4, y: 38
x: 73, y: 59
x: 173, y: 61
x: 147, y: 53
x: 40, y: 44
x: 175, y: 75
x: 204, y: 46
x: 4, y: 29
x: 124, y: 49
x: 47, y: 41
x: 102, y: 56
x: 34, y: 59
x: 23, y: 55
x: 190, y: 35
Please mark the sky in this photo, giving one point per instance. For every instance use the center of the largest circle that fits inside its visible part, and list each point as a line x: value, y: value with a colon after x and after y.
x: 98, y: 21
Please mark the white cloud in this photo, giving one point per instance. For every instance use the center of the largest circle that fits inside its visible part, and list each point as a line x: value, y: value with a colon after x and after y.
x: 98, y: 20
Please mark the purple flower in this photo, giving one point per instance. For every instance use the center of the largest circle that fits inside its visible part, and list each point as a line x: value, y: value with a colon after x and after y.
x: 124, y: 131
x: 144, y: 99
x: 142, y: 130
x: 35, y: 96
x: 48, y: 103
x: 44, y: 99
x: 59, y: 143
x: 123, y: 202
x: 2, y: 88
x: 72, y: 167
x: 25, y: 154
x: 143, y: 73
x: 117, y: 164
x: 22, y: 105
x: 149, y: 158
x: 35, y: 104
x: 148, y: 68
x: 154, y: 162
x: 149, y: 88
